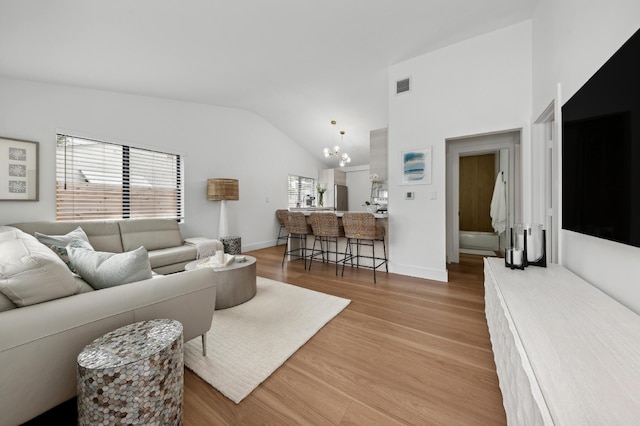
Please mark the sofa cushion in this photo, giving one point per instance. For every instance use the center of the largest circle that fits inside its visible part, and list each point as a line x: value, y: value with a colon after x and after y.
x: 169, y: 256
x: 83, y: 285
x: 104, y: 235
x: 6, y: 304
x: 30, y: 272
x: 103, y: 269
x: 153, y: 234
x: 58, y: 243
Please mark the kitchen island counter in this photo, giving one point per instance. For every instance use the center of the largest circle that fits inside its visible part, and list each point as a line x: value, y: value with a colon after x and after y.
x: 381, y: 220
x: 308, y: 211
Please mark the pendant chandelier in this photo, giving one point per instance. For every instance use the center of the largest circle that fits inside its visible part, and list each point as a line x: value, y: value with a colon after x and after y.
x: 342, y: 157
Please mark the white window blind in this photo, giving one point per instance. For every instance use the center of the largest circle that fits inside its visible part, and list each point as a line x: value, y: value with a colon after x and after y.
x: 299, y: 188
x: 100, y: 180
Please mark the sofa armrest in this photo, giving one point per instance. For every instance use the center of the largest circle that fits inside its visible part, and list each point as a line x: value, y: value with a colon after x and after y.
x: 39, y: 344
x: 193, y: 303
x: 23, y: 325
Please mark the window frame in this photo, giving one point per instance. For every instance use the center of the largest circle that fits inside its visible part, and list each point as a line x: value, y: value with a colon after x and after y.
x: 300, y: 190
x: 145, y: 182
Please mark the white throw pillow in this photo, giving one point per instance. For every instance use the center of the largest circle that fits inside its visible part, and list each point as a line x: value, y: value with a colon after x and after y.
x: 5, y: 228
x: 30, y: 272
x: 102, y: 270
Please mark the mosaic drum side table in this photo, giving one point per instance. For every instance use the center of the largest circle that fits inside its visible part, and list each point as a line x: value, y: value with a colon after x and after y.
x: 232, y: 245
x: 133, y: 375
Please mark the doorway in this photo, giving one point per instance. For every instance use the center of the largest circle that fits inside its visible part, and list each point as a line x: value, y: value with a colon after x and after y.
x: 545, y: 154
x: 477, y: 180
x: 502, y: 149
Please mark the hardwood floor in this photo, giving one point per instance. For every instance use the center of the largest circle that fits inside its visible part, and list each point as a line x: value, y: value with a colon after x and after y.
x: 405, y: 351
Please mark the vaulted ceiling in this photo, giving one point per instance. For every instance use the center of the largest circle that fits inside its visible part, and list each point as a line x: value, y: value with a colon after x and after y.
x: 297, y: 63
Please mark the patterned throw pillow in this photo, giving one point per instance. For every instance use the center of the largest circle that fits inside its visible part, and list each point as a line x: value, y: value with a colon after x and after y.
x: 63, y: 253
x: 58, y: 243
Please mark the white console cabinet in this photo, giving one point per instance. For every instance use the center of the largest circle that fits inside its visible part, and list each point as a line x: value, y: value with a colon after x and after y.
x: 565, y: 353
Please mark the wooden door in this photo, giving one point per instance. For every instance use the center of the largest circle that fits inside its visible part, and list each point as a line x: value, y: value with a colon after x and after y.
x: 477, y: 179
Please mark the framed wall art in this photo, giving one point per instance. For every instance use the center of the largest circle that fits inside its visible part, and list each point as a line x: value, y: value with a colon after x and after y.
x: 415, y: 166
x: 18, y: 170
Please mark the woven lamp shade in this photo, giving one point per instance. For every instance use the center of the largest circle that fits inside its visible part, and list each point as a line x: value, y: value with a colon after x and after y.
x: 222, y: 189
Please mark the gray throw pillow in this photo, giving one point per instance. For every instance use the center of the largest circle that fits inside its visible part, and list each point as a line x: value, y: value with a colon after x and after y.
x: 103, y: 270
x: 62, y: 240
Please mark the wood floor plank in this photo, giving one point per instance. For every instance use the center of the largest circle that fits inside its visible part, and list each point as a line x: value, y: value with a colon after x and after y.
x: 406, y: 351
x: 312, y: 400
x: 395, y: 377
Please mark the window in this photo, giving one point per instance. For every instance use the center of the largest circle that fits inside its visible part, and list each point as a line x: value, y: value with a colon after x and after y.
x: 100, y: 180
x: 302, y: 191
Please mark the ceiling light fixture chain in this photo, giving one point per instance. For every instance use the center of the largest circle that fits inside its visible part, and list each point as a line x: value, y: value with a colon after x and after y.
x: 342, y: 157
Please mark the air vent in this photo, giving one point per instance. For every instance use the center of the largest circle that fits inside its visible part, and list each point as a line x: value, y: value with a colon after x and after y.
x: 403, y: 86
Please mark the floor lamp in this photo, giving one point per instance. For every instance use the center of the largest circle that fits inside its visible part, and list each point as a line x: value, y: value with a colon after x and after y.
x: 222, y: 190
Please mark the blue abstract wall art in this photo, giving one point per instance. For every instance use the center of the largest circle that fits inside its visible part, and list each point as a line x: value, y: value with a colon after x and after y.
x: 415, y: 167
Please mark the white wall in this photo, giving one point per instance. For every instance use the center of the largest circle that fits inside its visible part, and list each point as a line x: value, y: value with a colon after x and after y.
x: 572, y: 40
x: 359, y: 188
x: 481, y: 85
x: 215, y: 142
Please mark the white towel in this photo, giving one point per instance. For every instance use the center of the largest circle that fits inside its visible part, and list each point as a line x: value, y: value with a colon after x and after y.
x: 499, y: 206
x: 212, y: 262
x: 205, y: 246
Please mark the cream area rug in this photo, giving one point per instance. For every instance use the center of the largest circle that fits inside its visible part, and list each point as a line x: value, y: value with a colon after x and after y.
x: 248, y: 342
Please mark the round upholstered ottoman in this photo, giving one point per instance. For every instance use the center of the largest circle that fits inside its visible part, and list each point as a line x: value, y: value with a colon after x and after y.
x: 133, y: 375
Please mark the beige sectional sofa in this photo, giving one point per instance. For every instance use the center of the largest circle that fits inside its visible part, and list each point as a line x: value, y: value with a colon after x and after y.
x: 161, y: 237
x: 39, y: 342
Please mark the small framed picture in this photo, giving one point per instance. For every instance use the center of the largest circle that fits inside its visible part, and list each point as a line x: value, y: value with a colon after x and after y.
x: 415, y: 166
x: 18, y: 170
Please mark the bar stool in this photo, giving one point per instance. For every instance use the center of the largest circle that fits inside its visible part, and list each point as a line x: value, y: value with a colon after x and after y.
x: 327, y: 228
x: 298, y: 229
x: 360, y: 229
x: 281, y: 214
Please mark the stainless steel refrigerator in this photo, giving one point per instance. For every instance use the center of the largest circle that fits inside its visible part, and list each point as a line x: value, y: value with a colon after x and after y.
x: 341, y: 198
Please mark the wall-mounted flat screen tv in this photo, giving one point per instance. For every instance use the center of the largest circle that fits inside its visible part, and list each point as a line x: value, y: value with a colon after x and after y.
x: 601, y: 151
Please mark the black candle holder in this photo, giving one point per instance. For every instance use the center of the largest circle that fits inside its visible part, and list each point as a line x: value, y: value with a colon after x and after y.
x: 542, y: 262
